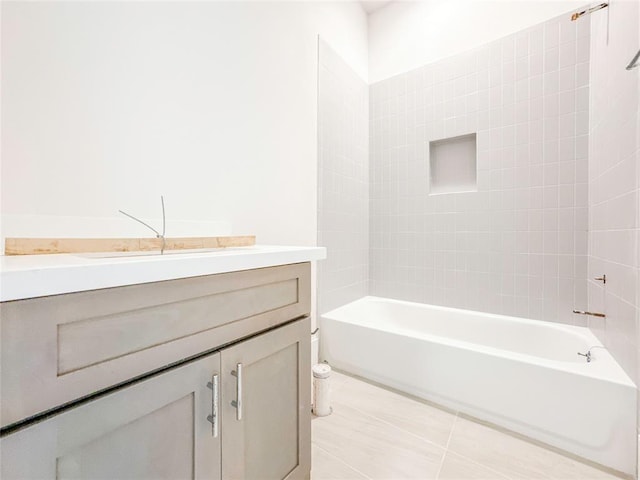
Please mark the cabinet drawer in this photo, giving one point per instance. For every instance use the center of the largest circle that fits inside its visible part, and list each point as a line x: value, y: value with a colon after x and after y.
x: 57, y: 349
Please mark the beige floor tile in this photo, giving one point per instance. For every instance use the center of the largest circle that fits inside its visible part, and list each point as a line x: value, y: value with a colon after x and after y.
x: 516, y: 458
x: 384, y: 435
x: 456, y: 467
x: 426, y: 421
x: 325, y: 466
x: 375, y: 448
x: 338, y: 378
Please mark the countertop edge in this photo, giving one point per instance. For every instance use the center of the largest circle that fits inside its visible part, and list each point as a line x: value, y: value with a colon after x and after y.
x: 56, y: 279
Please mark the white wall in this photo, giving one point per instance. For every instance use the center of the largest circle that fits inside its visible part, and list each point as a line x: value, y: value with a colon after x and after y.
x: 107, y: 105
x: 408, y: 34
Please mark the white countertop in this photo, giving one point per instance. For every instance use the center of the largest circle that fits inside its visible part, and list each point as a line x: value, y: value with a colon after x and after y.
x: 29, y: 276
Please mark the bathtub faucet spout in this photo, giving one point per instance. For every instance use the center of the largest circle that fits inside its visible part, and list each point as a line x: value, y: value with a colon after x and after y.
x: 588, y: 355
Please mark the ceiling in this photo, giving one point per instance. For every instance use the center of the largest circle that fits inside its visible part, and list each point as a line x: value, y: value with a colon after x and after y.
x: 371, y: 6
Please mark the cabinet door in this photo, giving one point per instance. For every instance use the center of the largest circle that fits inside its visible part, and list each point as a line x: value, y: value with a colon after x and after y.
x: 154, y: 429
x: 266, y: 405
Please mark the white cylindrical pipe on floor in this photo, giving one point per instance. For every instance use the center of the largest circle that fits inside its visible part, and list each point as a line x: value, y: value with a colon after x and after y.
x: 321, y: 389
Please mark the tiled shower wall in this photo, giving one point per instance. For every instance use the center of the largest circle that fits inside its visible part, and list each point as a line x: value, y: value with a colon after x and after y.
x: 614, y: 182
x: 343, y: 181
x: 517, y: 245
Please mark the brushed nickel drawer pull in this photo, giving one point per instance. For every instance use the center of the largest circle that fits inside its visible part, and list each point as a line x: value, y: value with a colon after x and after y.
x: 238, y: 401
x: 213, y: 418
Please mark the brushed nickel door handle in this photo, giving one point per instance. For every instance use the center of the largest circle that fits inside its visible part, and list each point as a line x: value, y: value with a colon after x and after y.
x: 238, y: 401
x: 213, y: 418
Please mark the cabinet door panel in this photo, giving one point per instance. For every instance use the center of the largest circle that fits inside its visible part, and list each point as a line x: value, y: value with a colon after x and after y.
x: 271, y: 394
x: 117, y: 454
x: 272, y: 439
x: 154, y: 429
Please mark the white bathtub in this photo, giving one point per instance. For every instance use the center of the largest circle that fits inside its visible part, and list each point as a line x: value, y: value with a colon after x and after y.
x: 523, y: 375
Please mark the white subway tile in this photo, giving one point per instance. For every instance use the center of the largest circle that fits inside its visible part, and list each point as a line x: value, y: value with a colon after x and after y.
x: 551, y: 105
x: 567, y: 78
x: 508, y: 48
x: 550, y: 196
x: 536, y: 38
x: 583, y: 49
x: 567, y: 102
x: 567, y: 125
x: 551, y: 59
x: 551, y: 34
x: 536, y: 109
x: 566, y: 149
x: 568, y: 30
x: 568, y: 54
x: 550, y: 148
x: 582, y: 123
x: 551, y: 131
x: 551, y: 82
x: 550, y: 173
x: 582, y: 146
x: 536, y: 63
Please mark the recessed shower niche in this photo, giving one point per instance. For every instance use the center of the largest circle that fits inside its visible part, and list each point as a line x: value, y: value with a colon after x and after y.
x: 452, y: 165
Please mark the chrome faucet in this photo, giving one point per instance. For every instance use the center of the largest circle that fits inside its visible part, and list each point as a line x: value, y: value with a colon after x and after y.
x: 588, y: 354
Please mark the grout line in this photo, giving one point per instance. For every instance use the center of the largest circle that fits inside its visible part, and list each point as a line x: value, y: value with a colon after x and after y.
x: 405, y: 395
x: 612, y: 198
x: 502, y: 475
x: 399, y: 429
x: 446, y: 448
x: 340, y: 460
x: 441, y: 464
x: 455, y: 420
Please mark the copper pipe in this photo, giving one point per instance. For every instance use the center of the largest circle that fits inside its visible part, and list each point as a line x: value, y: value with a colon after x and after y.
x: 582, y: 312
x: 577, y: 15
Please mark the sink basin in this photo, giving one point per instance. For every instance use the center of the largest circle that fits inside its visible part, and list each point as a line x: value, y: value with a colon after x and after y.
x: 156, y: 253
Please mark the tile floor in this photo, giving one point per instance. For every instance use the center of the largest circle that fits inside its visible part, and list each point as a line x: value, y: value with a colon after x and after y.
x: 374, y: 433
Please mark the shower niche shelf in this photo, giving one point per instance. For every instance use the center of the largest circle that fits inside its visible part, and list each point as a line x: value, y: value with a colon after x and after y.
x: 452, y: 165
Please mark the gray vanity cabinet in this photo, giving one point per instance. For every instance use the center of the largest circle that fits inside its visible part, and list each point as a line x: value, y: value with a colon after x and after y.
x: 229, y: 399
x: 202, y: 420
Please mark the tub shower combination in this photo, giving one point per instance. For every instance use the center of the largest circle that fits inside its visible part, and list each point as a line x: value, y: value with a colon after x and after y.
x: 523, y: 375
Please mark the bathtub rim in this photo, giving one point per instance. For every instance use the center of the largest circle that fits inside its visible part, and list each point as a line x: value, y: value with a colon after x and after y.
x: 604, y: 368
